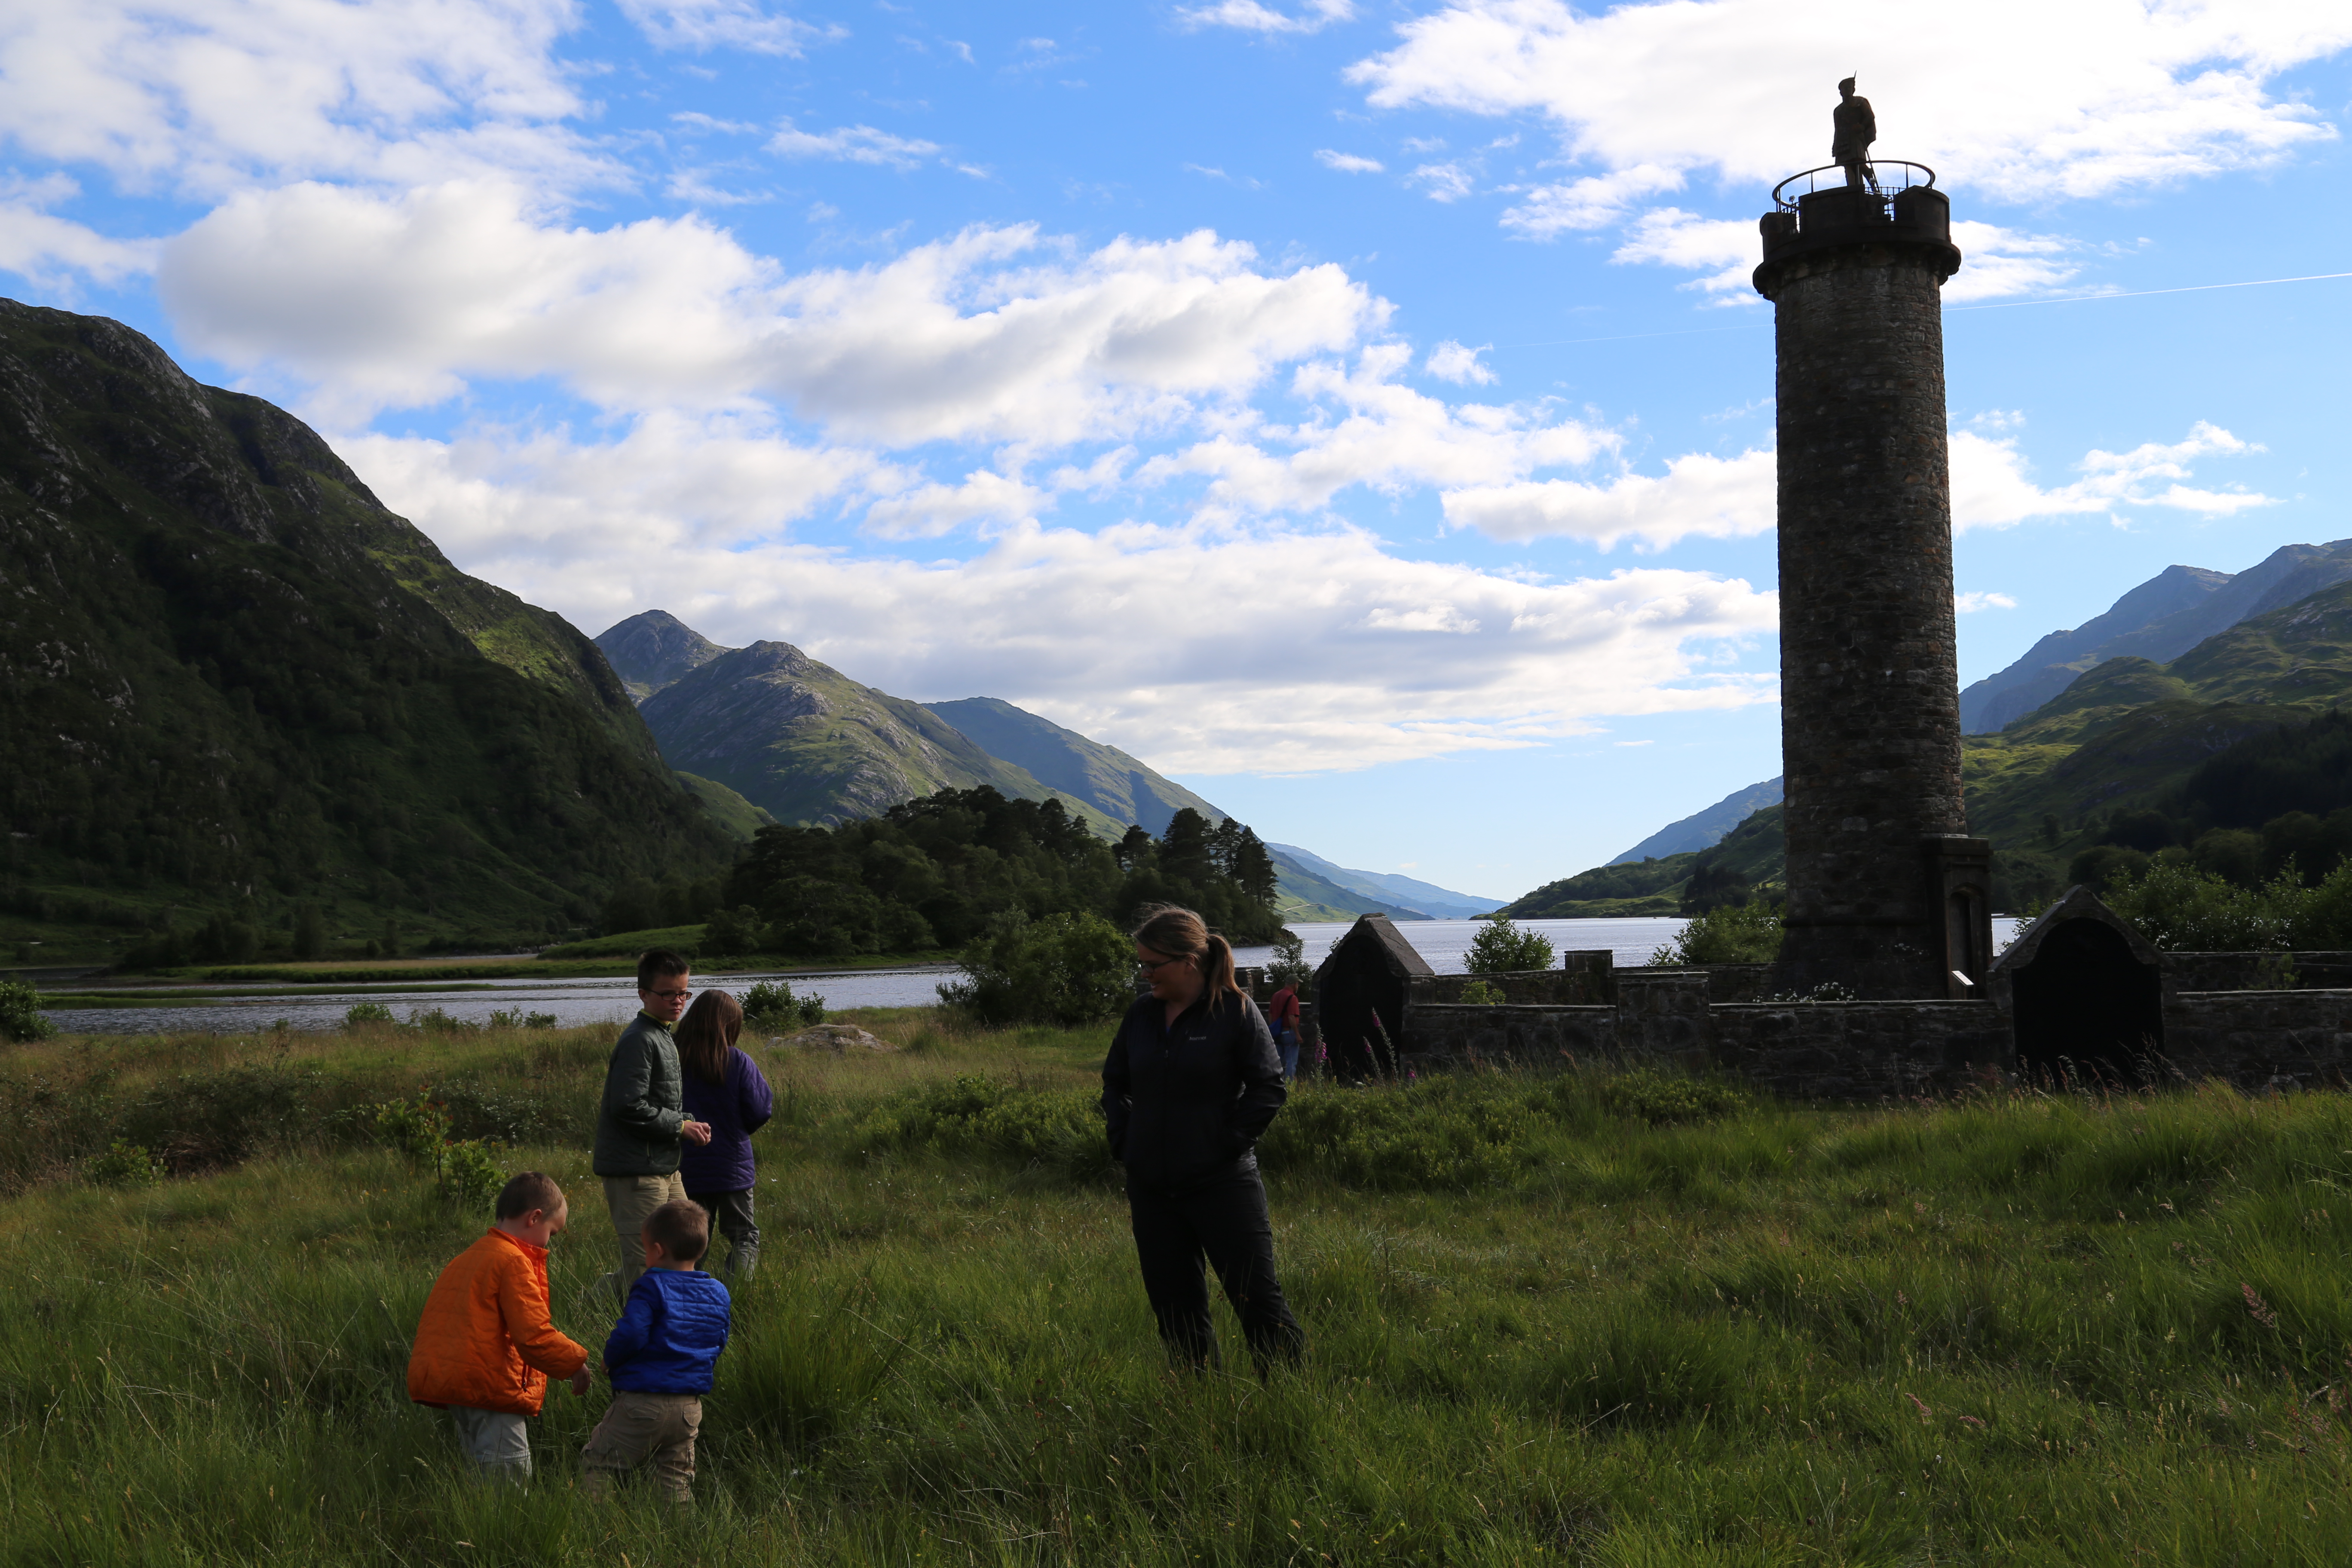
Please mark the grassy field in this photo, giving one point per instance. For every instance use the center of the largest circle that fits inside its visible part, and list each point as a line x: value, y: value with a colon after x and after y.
x: 1558, y: 1316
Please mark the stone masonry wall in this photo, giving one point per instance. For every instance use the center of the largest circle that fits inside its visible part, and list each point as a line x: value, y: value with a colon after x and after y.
x: 2261, y: 1039
x: 1448, y: 1033
x: 1870, y: 688
x: 1869, y: 1051
x: 2258, y: 970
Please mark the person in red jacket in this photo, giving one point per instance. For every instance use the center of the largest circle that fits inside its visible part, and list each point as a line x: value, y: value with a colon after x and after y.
x: 487, y: 1344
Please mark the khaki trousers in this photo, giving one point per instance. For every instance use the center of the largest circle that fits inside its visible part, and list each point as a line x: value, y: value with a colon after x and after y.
x: 632, y: 1200
x: 641, y: 1428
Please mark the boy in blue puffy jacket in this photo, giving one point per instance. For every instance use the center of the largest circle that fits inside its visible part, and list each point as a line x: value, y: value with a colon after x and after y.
x: 660, y: 1357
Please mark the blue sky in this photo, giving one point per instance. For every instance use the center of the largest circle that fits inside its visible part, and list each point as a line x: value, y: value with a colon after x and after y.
x: 1357, y: 410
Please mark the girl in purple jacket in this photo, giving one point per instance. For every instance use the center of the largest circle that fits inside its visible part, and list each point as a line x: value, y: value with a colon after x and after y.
x: 724, y: 1087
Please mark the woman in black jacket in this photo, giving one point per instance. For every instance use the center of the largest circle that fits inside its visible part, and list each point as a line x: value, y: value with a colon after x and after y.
x: 1190, y: 1081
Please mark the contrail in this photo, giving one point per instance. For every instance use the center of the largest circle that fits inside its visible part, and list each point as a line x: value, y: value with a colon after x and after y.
x: 2143, y: 293
x: 1949, y: 310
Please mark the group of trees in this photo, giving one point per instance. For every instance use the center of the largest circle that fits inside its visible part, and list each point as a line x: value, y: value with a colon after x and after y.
x: 944, y: 870
x: 2278, y: 805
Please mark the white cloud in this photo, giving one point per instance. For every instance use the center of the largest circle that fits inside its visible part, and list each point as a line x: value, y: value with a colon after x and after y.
x: 2112, y: 95
x: 1447, y: 182
x: 1968, y: 604
x: 1726, y: 250
x: 1369, y: 431
x: 722, y: 24
x: 205, y: 97
x: 1450, y: 361
x: 399, y: 300
x: 523, y: 497
x: 1990, y: 488
x: 1348, y: 163
x: 1698, y: 496
x: 1997, y: 262
x: 929, y: 511
x: 1706, y: 496
x: 52, y: 251
x: 852, y: 144
x: 1597, y: 201
x: 1251, y: 17
x: 1207, y: 648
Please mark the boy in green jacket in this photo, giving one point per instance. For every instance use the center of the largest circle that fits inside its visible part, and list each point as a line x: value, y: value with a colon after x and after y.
x: 642, y: 1116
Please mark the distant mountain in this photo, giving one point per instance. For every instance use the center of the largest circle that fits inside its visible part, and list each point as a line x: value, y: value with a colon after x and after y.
x: 1102, y: 776
x: 239, y: 684
x: 807, y: 745
x: 1304, y: 894
x: 1423, y: 897
x: 1703, y: 829
x: 2161, y: 619
x: 652, y: 649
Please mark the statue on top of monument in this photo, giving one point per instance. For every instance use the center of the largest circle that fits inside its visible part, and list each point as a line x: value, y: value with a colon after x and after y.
x: 1855, y: 128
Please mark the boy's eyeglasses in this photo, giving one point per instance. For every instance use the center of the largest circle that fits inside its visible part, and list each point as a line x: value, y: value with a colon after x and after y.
x: 669, y: 995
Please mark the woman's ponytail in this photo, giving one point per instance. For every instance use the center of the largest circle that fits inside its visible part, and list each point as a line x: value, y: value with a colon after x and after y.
x: 1217, y: 966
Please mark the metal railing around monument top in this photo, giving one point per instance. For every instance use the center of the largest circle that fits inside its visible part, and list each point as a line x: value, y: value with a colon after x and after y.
x: 1889, y: 177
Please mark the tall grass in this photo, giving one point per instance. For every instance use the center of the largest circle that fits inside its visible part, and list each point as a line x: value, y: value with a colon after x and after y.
x: 1553, y: 1318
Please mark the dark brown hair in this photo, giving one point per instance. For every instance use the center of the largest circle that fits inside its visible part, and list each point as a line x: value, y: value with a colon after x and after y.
x: 708, y: 1033
x: 532, y: 1189
x: 659, y: 964
x: 682, y: 1228
x: 1178, y: 932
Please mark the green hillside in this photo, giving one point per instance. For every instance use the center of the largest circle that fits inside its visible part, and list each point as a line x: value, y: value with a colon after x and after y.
x: 2124, y: 738
x: 234, y: 686
x: 1751, y: 855
x: 810, y: 746
x: 1102, y: 776
x: 738, y: 816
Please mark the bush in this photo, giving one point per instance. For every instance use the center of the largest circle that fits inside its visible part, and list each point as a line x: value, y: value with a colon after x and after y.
x: 20, y: 1013
x: 1479, y: 994
x: 1658, y: 1098
x: 541, y: 1021
x: 469, y: 1176
x: 1503, y: 948
x: 1061, y: 1130
x: 435, y: 1021
x: 125, y: 1165
x: 1444, y: 1133
x: 1731, y: 933
x: 204, y: 1121
x: 1065, y: 969
x: 2182, y: 909
x: 770, y: 1004
x: 360, y: 1012
x: 464, y: 1173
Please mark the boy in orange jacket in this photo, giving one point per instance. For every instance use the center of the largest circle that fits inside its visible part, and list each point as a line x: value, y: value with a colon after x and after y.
x: 486, y: 1345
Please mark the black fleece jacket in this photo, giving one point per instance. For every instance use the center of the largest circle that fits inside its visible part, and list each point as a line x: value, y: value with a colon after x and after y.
x: 1187, y: 1100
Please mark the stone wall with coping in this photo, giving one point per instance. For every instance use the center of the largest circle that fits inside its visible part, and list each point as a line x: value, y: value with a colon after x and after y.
x: 2308, y: 970
x: 1444, y: 1033
x: 1872, y: 1050
x: 2261, y: 1039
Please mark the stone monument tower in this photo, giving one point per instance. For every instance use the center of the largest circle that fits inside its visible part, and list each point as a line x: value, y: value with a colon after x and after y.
x: 1888, y: 894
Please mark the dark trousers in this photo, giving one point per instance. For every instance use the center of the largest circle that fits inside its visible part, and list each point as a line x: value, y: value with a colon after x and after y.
x: 730, y: 1216
x: 1222, y: 1219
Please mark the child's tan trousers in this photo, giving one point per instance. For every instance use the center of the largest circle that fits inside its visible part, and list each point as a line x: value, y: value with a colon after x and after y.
x: 641, y: 1429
